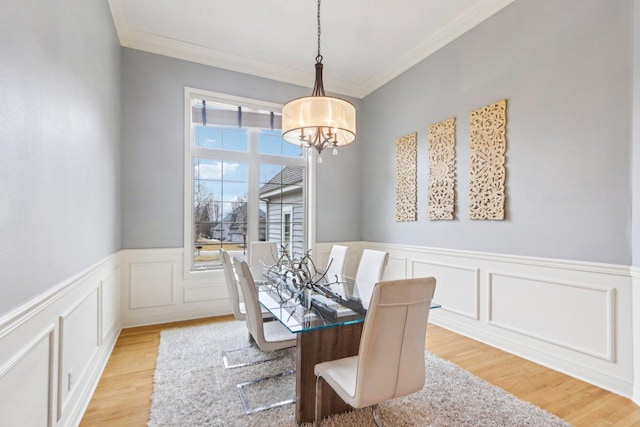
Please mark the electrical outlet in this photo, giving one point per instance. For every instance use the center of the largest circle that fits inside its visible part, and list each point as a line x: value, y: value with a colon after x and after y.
x: 71, y: 379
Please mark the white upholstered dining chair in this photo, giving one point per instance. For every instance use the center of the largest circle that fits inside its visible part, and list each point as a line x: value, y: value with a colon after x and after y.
x: 263, y: 253
x: 238, y: 307
x: 239, y: 311
x: 269, y: 336
x: 372, y: 266
x: 232, y: 286
x: 390, y: 362
x: 337, y: 262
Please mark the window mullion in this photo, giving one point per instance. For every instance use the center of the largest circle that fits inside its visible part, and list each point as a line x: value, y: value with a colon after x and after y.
x: 254, y: 186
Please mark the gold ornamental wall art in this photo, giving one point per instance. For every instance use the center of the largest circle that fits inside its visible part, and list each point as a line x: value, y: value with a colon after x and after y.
x: 406, y: 177
x: 442, y: 169
x: 487, y: 161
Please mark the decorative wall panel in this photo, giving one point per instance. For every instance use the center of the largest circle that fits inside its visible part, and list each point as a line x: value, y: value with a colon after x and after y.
x: 488, y: 147
x: 151, y: 284
x: 406, y: 177
x: 442, y: 169
x: 516, y: 301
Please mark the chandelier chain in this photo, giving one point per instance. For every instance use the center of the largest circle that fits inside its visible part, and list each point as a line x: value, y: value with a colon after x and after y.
x: 319, y: 57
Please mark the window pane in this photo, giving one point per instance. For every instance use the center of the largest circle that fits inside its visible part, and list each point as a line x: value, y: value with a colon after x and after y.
x: 207, y: 169
x: 208, y: 137
x: 221, y: 187
x: 234, y: 191
x: 271, y: 142
x: 291, y: 150
x: 234, y: 139
x: 282, y: 197
x: 269, y: 172
x: 235, y: 171
x: 233, y: 227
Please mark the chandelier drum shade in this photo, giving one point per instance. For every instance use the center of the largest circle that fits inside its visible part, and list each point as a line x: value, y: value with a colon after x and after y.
x: 319, y: 121
x: 311, y: 117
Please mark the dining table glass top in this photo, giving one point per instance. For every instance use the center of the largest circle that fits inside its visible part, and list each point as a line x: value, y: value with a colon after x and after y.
x: 329, y: 302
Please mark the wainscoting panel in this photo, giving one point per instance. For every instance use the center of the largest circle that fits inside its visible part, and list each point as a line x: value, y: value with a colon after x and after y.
x: 110, y: 304
x: 396, y: 267
x: 79, y: 340
x: 574, y: 317
x: 151, y: 284
x: 154, y: 289
x: 538, y: 308
x: 53, y: 349
x: 26, y: 382
x: 198, y: 293
x: 457, y: 287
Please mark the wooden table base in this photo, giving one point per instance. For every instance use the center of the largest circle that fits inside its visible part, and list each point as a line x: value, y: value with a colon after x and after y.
x: 318, y: 346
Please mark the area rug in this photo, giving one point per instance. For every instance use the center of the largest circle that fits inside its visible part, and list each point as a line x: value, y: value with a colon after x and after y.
x: 192, y: 388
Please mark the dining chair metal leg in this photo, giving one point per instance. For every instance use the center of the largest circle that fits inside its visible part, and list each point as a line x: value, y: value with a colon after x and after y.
x: 318, y: 402
x: 227, y: 363
x: 376, y: 417
x: 245, y: 401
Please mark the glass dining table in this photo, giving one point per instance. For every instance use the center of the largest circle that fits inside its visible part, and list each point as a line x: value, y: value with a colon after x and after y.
x: 327, y: 316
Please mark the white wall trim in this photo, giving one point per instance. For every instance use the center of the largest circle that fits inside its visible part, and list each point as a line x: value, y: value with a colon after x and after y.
x: 608, y: 354
x: 585, y: 266
x: 24, y: 312
x: 192, y: 297
x: 48, y: 334
x: 635, y: 292
x: 613, y: 290
x: 476, y: 285
x: 79, y: 300
x: 598, y: 330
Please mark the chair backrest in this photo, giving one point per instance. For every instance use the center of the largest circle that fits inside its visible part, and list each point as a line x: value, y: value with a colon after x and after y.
x: 372, y: 265
x: 251, y: 304
x: 337, y: 261
x: 391, y: 357
x: 232, y: 284
x: 263, y: 253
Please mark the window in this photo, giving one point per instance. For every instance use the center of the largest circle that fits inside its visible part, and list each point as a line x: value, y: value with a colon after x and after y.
x: 242, y: 181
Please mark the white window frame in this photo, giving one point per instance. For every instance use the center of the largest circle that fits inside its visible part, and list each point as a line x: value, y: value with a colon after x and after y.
x: 254, y: 158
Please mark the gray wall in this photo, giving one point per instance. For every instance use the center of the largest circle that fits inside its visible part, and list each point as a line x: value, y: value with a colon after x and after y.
x: 565, y: 68
x: 59, y: 143
x: 635, y: 160
x: 153, y: 150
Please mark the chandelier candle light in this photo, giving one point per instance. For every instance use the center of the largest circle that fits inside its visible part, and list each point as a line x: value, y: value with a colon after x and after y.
x: 318, y: 120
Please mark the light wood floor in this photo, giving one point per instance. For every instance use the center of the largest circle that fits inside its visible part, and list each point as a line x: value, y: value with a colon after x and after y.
x: 122, y: 397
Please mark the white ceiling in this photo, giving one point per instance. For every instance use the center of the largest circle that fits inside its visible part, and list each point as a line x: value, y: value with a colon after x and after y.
x: 365, y: 43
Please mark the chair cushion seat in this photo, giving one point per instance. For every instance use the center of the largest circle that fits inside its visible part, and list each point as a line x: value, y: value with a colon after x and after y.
x: 265, y: 313
x: 340, y: 374
x: 277, y: 336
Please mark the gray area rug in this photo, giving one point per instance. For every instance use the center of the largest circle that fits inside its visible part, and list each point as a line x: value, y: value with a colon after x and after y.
x: 192, y: 388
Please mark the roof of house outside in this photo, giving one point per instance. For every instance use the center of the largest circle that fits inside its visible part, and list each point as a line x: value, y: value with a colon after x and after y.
x: 290, y: 175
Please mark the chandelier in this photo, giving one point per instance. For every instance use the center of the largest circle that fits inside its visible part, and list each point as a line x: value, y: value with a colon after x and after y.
x: 319, y: 121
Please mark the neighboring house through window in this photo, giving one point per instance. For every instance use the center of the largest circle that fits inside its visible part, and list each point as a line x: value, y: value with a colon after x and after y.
x: 282, y: 199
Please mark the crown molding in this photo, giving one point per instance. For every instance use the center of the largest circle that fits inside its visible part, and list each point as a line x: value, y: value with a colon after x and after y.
x: 179, y: 49
x: 435, y: 42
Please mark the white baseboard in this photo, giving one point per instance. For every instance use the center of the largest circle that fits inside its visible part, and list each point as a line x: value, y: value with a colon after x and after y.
x: 635, y: 277
x: 54, y: 349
